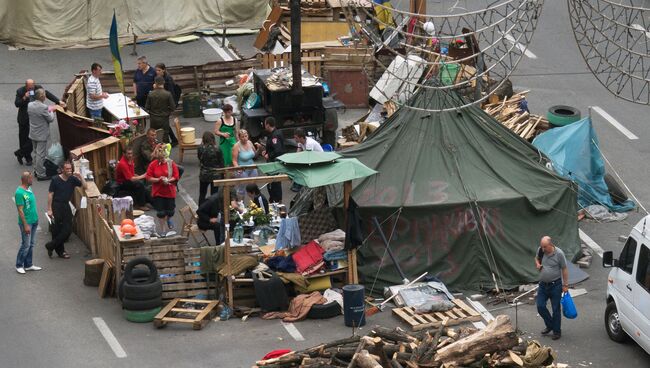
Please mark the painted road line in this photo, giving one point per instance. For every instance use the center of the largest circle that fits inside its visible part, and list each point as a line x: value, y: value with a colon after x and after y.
x: 614, y: 122
x: 487, y: 316
x: 293, y: 331
x: 591, y: 243
x: 231, y: 51
x: 521, y: 47
x: 187, y: 197
x: 109, y: 337
x: 220, y: 50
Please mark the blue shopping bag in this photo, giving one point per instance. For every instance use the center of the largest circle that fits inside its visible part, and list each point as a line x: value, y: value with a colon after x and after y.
x: 568, y: 307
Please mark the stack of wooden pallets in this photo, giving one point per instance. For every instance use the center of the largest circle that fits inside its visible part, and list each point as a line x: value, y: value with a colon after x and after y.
x: 509, y: 113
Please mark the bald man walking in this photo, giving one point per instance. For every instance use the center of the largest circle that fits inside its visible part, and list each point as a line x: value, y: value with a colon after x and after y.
x: 25, y: 95
x: 553, y: 281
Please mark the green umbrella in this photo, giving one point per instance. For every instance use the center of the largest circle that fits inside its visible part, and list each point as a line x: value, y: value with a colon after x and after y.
x: 313, y: 176
x: 308, y: 158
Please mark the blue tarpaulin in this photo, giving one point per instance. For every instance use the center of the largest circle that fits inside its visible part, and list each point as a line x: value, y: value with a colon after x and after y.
x: 574, y: 150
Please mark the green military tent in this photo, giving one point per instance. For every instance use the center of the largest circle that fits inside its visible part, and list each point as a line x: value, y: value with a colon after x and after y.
x: 469, y: 199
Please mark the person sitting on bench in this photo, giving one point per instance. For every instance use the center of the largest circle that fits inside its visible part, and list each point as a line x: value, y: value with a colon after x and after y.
x: 129, y: 183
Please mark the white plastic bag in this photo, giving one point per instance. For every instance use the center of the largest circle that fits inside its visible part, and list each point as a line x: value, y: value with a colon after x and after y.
x: 55, y: 154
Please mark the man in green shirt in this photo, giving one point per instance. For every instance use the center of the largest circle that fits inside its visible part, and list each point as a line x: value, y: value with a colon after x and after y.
x: 27, y: 222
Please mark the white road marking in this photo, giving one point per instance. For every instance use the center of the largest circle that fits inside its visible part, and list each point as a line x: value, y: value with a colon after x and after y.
x: 487, y: 316
x: 220, y: 50
x: 590, y: 243
x: 231, y: 51
x: 293, y: 331
x: 614, y: 122
x: 109, y: 337
x: 521, y: 47
x: 187, y: 197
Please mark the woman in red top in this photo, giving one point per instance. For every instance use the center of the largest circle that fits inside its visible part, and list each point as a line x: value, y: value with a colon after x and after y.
x: 162, y: 173
x: 129, y: 183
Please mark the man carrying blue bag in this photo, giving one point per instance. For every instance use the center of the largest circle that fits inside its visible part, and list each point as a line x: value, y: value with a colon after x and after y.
x: 553, y: 281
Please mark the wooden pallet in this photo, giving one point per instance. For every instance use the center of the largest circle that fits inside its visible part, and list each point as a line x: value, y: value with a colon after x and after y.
x: 460, y: 314
x: 179, y: 311
x: 177, y: 265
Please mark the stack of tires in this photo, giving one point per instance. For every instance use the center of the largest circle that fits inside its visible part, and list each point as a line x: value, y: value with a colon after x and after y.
x: 140, y: 290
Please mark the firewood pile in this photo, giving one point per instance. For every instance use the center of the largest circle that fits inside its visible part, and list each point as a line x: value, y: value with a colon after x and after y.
x: 510, y: 113
x: 497, y: 345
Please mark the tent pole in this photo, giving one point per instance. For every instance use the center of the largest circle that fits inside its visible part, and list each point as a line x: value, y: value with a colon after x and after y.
x: 226, y: 221
x: 353, y: 278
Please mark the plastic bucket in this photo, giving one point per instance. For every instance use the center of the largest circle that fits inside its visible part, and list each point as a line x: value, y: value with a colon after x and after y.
x: 354, y: 308
x: 188, y: 135
x: 192, y: 105
x: 212, y: 115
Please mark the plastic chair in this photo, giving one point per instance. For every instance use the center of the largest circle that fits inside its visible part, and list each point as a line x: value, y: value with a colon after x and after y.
x: 327, y: 147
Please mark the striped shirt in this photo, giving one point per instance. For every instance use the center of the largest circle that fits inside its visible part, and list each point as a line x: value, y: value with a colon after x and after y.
x: 93, y: 87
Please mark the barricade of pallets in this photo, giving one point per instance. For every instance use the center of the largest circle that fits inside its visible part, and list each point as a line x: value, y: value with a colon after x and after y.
x: 461, y: 313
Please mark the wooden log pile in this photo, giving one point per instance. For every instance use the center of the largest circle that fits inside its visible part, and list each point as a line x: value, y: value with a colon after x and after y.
x: 497, y: 345
x: 522, y: 123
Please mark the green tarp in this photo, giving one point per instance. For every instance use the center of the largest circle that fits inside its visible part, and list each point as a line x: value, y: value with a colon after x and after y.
x: 453, y: 174
x: 319, y: 174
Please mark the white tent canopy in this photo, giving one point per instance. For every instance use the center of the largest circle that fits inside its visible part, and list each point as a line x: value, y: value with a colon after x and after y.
x: 85, y: 23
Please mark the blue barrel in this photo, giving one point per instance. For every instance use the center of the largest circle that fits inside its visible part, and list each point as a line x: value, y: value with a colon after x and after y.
x: 354, y: 309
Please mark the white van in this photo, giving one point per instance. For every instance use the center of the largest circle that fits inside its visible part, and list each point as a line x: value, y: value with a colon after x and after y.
x: 628, y: 288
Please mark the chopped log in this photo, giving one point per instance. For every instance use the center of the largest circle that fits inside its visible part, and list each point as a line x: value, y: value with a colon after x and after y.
x: 381, y: 352
x: 397, y: 334
x: 365, y: 360
x: 395, y: 364
x: 430, y: 351
x: 497, y: 336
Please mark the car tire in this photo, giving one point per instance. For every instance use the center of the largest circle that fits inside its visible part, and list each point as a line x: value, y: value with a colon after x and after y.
x: 560, y: 115
x: 140, y: 305
x: 613, y: 324
x: 142, y: 291
x: 142, y: 279
x: 324, y: 311
x: 128, y: 270
x: 142, y: 316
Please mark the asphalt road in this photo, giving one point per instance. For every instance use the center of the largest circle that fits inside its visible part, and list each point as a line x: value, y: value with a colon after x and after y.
x: 46, y: 318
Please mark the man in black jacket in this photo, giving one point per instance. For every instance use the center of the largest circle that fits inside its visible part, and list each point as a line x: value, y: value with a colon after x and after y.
x: 25, y: 95
x: 274, y: 149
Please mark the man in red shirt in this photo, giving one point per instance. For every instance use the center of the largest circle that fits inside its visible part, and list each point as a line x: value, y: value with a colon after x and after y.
x: 162, y: 173
x: 131, y: 184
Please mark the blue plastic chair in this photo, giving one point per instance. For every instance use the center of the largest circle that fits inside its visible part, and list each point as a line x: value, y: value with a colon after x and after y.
x: 327, y: 147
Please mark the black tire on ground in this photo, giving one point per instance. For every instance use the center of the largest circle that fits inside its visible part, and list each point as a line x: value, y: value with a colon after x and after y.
x: 615, y: 190
x: 142, y: 291
x: 153, y: 271
x: 324, y: 311
x: 613, y: 324
x: 141, y: 276
x: 140, y: 305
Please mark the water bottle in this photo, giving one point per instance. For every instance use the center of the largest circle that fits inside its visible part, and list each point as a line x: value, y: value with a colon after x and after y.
x: 238, y: 234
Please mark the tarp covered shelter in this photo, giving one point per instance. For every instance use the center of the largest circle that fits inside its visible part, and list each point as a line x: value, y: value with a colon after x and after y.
x: 83, y: 23
x: 575, y: 152
x: 470, y: 198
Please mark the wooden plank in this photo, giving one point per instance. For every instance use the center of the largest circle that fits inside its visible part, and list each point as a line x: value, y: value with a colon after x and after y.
x: 185, y: 310
x: 406, y: 317
x: 179, y: 320
x: 104, y: 282
x: 185, y: 286
x: 205, y: 313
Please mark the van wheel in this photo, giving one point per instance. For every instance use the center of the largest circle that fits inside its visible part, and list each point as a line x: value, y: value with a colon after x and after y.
x: 613, y: 324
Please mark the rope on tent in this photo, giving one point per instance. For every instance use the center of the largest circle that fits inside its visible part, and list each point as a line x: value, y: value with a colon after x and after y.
x: 481, y: 229
x: 620, y: 179
x: 390, y: 237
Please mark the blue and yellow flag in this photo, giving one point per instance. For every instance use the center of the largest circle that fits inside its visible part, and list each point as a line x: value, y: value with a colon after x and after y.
x: 115, y: 53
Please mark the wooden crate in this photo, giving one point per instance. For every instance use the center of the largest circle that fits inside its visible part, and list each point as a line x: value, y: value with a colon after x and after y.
x: 75, y: 96
x: 99, y: 153
x: 177, y: 266
x: 311, y: 61
x: 461, y: 313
